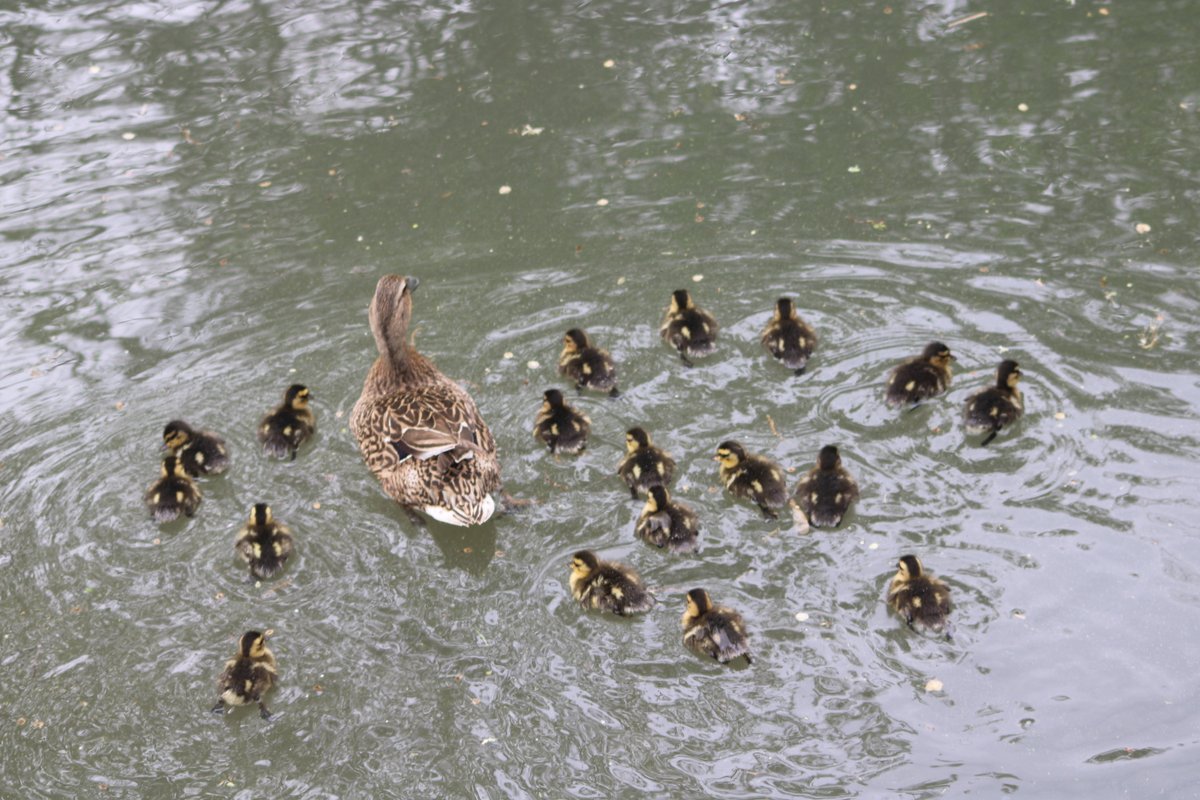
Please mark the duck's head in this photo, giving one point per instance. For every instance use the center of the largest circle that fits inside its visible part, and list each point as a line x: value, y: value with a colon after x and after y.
x: 1008, y: 374
x: 172, y: 467
x: 575, y: 339
x: 390, y: 311
x: 938, y: 353
x: 635, y: 438
x: 909, y: 568
x: 553, y: 398
x: 584, y: 562
x: 253, y: 644
x: 784, y: 308
x: 730, y: 454
x: 657, y: 498
x: 681, y: 300
x: 176, y: 434
x: 698, y: 602
x: 828, y: 458
x: 296, y: 396
x: 261, y: 514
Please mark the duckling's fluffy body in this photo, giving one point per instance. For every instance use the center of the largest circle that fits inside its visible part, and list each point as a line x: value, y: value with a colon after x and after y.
x: 202, y: 452
x: 289, y: 425
x: 788, y: 338
x: 666, y: 523
x: 249, y: 675
x: 827, y: 490
x: 174, y: 493
x: 588, y: 366
x: 752, y: 477
x: 989, y: 410
x: 264, y: 542
x: 922, y: 600
x: 714, y: 631
x: 920, y: 378
x: 420, y: 432
x: 559, y: 426
x: 688, y: 328
x: 608, y: 585
x: 644, y: 465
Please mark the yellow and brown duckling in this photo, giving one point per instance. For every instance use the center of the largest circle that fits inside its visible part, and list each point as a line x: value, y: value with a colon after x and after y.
x: 560, y: 427
x: 202, y: 452
x: 753, y: 477
x: 289, y: 425
x: 608, y: 585
x: 827, y: 490
x: 644, y: 465
x: 665, y: 523
x: 920, y: 378
x: 920, y: 599
x: 789, y: 339
x: 688, y: 328
x: 714, y: 631
x: 264, y: 542
x: 248, y: 675
x: 174, y: 493
x: 990, y: 410
x: 590, y: 367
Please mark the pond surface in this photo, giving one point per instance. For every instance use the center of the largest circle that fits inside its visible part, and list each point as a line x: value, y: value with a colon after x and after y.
x: 198, y: 199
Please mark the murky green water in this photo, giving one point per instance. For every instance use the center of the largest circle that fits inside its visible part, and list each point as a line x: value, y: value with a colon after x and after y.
x: 198, y: 199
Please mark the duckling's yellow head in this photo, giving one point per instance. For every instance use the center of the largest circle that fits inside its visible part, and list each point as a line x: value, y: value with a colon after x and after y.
x: 172, y: 467
x: 635, y: 438
x: 254, y: 644
x: 698, y: 602
x: 575, y: 339
x: 296, y: 396
x: 938, y: 353
x: 584, y: 562
x: 730, y: 454
x: 910, y: 567
x: 1008, y: 374
x: 261, y: 514
x: 828, y: 458
x: 784, y: 308
x: 176, y: 434
x: 681, y: 300
x: 390, y: 311
x: 656, y: 498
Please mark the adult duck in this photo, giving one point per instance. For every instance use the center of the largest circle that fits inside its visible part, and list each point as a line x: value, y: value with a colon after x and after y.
x: 419, y: 431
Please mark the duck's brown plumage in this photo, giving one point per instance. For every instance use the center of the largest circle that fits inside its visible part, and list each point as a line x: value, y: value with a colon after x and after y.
x: 920, y: 378
x: 644, y: 465
x: 827, y: 490
x: 714, y: 631
x: 264, y: 542
x: 559, y: 426
x: 174, y: 493
x: 665, y: 523
x: 289, y: 425
x: 608, y: 585
x: 202, y: 452
x: 688, y: 328
x: 991, y: 409
x: 419, y: 431
x: 788, y: 338
x: 922, y: 600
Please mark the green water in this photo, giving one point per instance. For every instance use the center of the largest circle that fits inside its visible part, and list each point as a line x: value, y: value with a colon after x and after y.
x: 197, y: 200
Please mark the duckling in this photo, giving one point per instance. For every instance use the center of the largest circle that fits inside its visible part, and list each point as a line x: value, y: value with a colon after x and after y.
x: 714, y: 631
x: 993, y: 408
x: 753, y: 477
x: 644, y: 465
x: 264, y: 542
x: 608, y: 585
x: 921, y: 599
x: 664, y: 523
x: 589, y: 366
x: 173, y: 493
x: 289, y: 425
x: 788, y: 338
x: 248, y: 675
x: 827, y: 490
x: 920, y: 378
x: 560, y: 427
x: 688, y: 328
x: 202, y: 452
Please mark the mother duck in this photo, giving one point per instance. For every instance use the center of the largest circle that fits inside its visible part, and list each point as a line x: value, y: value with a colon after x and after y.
x: 419, y: 431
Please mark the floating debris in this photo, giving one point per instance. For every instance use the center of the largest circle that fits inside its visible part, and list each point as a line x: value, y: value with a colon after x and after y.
x: 933, y: 685
x: 505, y: 189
